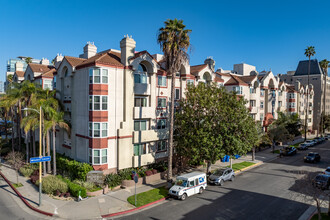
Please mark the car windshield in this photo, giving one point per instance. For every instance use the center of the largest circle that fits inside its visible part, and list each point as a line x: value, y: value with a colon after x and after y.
x: 320, y: 178
x: 328, y: 170
x: 181, y: 183
x: 218, y: 172
x: 311, y: 155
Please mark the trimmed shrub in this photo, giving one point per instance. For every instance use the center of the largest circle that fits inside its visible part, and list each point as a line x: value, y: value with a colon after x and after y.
x: 72, y: 168
x: 126, y: 174
x: 149, y: 173
x: 74, y: 188
x: 88, y: 185
x: 112, y: 180
x: 28, y: 169
x: 50, y: 184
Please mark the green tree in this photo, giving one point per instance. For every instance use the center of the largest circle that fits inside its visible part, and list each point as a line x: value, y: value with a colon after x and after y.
x: 28, y: 60
x: 309, y: 52
x: 278, y: 133
x: 174, y: 41
x: 10, y: 78
x: 291, y: 122
x: 324, y: 65
x: 211, y: 123
x: 15, y: 159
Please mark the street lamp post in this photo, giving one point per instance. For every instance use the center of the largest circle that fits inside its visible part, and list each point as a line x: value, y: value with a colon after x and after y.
x: 40, y: 168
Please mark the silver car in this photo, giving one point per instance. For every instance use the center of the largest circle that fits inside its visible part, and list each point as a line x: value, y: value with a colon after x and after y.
x: 219, y: 176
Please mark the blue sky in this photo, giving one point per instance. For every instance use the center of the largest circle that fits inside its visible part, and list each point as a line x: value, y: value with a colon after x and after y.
x: 267, y: 34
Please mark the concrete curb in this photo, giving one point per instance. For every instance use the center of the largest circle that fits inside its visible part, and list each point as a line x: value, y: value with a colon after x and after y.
x: 249, y: 167
x: 23, y: 199
x: 132, y: 210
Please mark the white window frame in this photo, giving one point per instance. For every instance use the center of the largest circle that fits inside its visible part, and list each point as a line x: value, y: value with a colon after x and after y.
x: 102, y: 156
x: 162, y: 126
x: 139, y: 121
x: 140, y: 98
x: 49, y: 84
x: 142, y: 146
x: 103, y: 131
x: 161, y: 145
x: 261, y: 105
x: 262, y: 92
x: 162, y: 81
x: 102, y: 103
x: 238, y: 89
x: 158, y: 99
x: 103, y: 76
x: 175, y: 94
x: 253, y: 103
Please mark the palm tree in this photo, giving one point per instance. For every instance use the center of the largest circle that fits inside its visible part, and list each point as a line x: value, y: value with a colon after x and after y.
x: 309, y: 52
x: 28, y: 60
x: 56, y: 119
x: 324, y: 65
x: 174, y: 41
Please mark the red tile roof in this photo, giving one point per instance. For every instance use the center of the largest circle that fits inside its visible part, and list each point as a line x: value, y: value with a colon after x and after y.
x: 136, y: 55
x: 40, y: 68
x: 107, y: 58
x: 248, y: 79
x: 197, y: 68
x: 74, y: 61
x: 218, y: 79
x: 20, y: 73
x: 235, y: 80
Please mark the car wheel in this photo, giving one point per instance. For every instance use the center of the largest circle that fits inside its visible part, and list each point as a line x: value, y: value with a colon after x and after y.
x: 221, y: 183
x: 183, y: 197
x: 201, y: 190
x: 232, y: 178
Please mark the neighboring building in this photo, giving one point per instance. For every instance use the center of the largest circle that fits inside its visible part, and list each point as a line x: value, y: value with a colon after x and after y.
x: 41, y: 74
x: 316, y: 79
x: 2, y: 87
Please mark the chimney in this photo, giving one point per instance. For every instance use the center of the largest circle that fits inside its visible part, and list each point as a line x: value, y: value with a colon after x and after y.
x: 19, y: 66
x: 57, y: 60
x: 89, y: 50
x: 127, y: 46
x: 297, y: 85
x: 210, y: 62
x: 44, y: 61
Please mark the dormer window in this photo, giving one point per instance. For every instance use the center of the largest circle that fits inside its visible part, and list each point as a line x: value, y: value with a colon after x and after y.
x: 140, y: 76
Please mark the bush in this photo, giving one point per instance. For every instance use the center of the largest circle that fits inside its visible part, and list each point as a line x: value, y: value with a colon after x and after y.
x: 50, y: 184
x: 72, y: 168
x: 112, y: 180
x: 74, y: 188
x: 160, y: 166
x: 149, y: 173
x: 28, y: 169
x: 126, y: 174
x: 88, y: 185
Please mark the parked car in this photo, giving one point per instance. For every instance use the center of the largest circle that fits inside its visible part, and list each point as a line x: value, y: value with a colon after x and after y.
x: 310, y: 143
x: 289, y: 151
x: 319, y: 140
x: 312, y: 157
x: 221, y: 175
x: 322, y: 181
x: 303, y: 146
x: 188, y: 185
x: 327, y: 171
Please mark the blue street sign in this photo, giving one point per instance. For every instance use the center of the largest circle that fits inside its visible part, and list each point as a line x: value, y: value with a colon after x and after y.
x: 39, y: 159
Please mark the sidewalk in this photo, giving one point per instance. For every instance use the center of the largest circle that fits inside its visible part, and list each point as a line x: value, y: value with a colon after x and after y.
x: 112, y: 202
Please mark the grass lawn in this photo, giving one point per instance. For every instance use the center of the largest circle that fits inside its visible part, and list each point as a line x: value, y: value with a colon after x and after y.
x: 323, y: 215
x: 238, y: 166
x: 148, y: 197
x: 16, y: 185
x: 297, y: 144
x: 276, y: 151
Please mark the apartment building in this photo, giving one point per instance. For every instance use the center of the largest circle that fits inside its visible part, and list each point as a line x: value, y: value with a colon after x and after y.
x: 316, y: 79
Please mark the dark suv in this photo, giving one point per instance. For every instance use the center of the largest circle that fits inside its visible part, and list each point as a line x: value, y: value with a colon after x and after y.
x: 312, y: 157
x: 288, y: 151
x: 322, y: 181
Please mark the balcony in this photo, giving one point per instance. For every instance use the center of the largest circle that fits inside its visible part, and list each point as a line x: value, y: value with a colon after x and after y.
x: 149, y: 135
x: 143, y: 160
x: 144, y: 112
x: 142, y: 89
x: 254, y: 110
x: 253, y: 96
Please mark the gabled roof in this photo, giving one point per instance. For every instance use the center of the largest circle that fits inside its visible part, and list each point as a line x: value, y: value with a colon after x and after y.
x: 235, y: 80
x: 218, y: 79
x: 136, y: 55
x: 107, y: 58
x: 248, y: 79
x: 74, y: 61
x: 50, y: 73
x: 19, y: 73
x: 40, y: 68
x: 195, y: 69
x: 302, y: 68
x: 290, y: 88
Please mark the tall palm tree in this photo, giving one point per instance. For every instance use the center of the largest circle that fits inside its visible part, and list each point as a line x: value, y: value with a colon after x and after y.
x: 28, y: 60
x: 174, y: 41
x: 324, y: 65
x: 309, y: 52
x: 56, y: 119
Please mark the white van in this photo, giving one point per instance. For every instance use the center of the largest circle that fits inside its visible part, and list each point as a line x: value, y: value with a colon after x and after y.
x: 188, y: 185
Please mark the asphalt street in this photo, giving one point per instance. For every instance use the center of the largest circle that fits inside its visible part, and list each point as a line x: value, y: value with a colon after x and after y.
x: 9, y: 208
x: 265, y: 192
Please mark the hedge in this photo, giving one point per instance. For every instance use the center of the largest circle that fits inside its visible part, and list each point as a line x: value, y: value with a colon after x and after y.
x: 74, y: 188
x: 50, y: 184
x: 72, y: 168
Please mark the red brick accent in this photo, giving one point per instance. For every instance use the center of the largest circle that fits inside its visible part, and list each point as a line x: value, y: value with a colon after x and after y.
x: 292, y: 109
x: 82, y: 136
x: 97, y: 143
x: 98, y: 89
x: 100, y: 167
x: 98, y: 116
x: 67, y: 101
x: 292, y: 100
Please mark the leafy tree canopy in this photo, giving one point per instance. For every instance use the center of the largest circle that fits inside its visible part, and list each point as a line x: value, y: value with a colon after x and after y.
x: 211, y: 123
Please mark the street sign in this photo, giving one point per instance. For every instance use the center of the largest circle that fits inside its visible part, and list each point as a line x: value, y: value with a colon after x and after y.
x: 39, y: 159
x: 136, y: 178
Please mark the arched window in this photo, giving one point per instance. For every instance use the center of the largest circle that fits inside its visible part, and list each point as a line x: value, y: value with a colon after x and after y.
x: 140, y: 76
x: 66, y: 72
